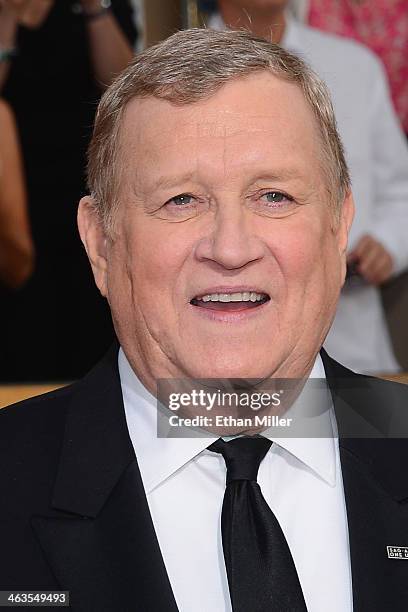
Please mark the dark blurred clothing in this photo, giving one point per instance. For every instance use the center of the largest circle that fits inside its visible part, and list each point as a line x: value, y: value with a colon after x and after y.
x: 57, y: 325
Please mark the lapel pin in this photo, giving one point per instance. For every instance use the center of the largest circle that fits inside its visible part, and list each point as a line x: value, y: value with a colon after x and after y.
x: 397, y: 552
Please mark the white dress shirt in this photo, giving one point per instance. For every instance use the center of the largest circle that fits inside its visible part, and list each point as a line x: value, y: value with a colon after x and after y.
x: 300, y: 479
x: 377, y: 155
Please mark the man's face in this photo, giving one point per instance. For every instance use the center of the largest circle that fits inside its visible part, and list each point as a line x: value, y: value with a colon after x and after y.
x: 221, y: 201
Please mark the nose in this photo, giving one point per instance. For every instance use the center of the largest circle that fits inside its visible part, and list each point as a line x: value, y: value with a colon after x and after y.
x: 231, y: 241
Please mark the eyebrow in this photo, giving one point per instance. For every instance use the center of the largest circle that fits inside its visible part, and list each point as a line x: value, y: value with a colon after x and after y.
x: 167, y: 182
x: 284, y: 174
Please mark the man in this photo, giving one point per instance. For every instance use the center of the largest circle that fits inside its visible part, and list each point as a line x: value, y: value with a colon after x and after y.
x: 217, y: 230
x: 377, y: 156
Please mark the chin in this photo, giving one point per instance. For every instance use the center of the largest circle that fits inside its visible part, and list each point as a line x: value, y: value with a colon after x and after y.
x: 223, y: 366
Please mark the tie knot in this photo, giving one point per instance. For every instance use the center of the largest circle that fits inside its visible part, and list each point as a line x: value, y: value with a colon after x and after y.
x: 242, y: 456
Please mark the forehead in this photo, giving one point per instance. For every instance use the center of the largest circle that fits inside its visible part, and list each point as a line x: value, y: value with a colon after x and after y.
x: 253, y: 121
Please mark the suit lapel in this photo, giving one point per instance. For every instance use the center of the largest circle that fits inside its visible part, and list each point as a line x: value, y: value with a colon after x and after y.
x: 375, y: 485
x: 99, y: 538
x: 375, y: 520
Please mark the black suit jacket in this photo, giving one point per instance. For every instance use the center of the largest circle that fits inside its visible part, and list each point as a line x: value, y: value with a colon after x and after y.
x: 74, y: 515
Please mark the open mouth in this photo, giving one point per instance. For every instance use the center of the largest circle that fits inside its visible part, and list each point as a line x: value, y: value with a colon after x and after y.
x: 228, y: 302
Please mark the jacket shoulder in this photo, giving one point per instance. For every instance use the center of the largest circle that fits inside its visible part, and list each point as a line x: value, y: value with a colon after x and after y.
x: 335, y: 56
x: 32, y: 431
x: 50, y: 407
x: 338, y: 44
x: 31, y: 434
x: 35, y: 412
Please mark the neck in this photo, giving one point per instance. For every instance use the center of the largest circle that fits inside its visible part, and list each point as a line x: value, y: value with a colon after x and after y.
x: 266, y: 23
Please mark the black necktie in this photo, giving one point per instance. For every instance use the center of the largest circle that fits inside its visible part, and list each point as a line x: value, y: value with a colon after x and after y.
x: 261, y: 573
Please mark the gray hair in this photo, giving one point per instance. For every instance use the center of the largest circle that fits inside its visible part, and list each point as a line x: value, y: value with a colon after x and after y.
x: 192, y: 65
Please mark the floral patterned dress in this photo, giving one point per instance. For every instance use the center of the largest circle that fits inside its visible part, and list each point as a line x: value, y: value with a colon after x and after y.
x: 382, y: 25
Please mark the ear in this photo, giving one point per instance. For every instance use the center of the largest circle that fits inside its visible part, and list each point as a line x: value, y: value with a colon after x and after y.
x: 94, y: 239
x: 343, y: 228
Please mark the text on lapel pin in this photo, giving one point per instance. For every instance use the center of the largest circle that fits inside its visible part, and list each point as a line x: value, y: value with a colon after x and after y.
x: 397, y: 552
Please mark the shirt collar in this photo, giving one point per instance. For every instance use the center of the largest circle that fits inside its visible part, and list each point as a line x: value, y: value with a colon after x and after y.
x: 215, y: 22
x: 317, y: 453
x: 291, y: 37
x: 160, y: 458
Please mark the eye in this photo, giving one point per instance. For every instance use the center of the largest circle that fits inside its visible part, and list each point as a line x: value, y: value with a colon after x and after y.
x: 272, y: 203
x: 183, y: 206
x: 181, y: 200
x: 276, y: 197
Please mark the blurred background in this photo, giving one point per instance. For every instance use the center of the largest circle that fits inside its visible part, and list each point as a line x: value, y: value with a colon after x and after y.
x: 56, y: 59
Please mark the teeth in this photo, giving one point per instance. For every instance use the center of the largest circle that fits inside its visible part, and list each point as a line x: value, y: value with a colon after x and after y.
x: 245, y: 296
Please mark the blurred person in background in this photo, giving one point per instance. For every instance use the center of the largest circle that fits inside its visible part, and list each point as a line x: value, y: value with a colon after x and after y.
x: 382, y: 25
x: 55, y: 60
x: 377, y: 155
x: 16, y: 247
